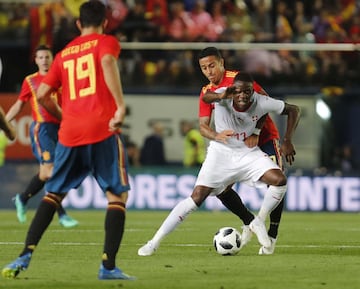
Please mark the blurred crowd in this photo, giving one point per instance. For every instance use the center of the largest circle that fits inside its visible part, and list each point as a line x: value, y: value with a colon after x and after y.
x: 241, y: 21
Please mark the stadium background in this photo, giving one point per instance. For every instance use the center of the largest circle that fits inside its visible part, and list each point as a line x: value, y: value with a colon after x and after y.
x: 316, y: 182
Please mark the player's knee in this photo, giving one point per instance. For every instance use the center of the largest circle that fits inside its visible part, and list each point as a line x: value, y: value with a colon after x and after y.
x: 281, y: 180
x: 57, y: 197
x: 199, y: 194
x: 45, y: 173
x: 117, y: 198
x: 274, y: 178
x: 278, y: 178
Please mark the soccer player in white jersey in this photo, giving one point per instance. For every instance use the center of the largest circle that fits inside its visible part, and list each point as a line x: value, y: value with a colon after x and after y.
x: 229, y: 159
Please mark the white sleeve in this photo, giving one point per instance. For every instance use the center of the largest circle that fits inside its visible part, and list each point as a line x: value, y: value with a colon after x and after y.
x: 270, y: 104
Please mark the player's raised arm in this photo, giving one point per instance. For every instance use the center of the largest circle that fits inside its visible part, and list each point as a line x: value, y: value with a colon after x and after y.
x: 212, y: 96
x: 219, y: 94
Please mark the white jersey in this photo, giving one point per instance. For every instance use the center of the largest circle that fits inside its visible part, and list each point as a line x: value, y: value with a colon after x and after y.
x: 243, y: 123
x: 233, y: 162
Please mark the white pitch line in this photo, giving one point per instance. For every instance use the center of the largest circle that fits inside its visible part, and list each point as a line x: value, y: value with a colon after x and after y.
x: 186, y: 245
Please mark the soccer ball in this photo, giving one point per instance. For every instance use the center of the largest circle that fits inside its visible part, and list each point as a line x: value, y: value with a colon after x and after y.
x: 227, y: 241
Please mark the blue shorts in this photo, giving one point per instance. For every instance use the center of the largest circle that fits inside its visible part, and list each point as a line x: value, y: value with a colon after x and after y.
x: 272, y: 148
x: 44, y: 137
x: 107, y: 161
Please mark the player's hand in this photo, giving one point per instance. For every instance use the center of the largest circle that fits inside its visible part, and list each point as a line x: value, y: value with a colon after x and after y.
x: 288, y: 151
x: 230, y: 92
x: 224, y: 135
x: 10, y: 132
x: 251, y: 141
x: 116, y: 121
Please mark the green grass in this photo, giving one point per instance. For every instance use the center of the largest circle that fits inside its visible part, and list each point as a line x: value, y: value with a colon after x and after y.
x: 314, y: 250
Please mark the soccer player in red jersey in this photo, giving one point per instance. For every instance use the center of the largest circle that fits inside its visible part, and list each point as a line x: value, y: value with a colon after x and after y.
x: 90, y: 142
x: 43, y: 135
x: 212, y: 66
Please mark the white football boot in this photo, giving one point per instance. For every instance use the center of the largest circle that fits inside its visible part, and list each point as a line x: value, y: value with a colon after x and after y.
x: 148, y: 249
x: 258, y: 227
x: 245, y: 236
x: 268, y: 250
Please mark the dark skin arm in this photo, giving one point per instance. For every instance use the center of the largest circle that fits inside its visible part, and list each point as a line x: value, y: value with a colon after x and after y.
x: 204, y: 122
x: 287, y: 148
x: 211, y: 96
x: 253, y: 140
x: 206, y: 131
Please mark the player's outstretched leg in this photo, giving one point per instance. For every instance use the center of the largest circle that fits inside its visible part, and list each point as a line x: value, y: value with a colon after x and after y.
x: 175, y: 218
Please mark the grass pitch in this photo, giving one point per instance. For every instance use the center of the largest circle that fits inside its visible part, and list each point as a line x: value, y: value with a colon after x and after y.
x: 314, y: 251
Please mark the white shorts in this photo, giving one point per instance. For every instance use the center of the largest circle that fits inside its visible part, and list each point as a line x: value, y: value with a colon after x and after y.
x: 224, y: 166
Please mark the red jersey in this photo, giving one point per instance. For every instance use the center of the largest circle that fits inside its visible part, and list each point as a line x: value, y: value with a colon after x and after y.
x: 28, y: 93
x: 87, y: 104
x: 269, y: 130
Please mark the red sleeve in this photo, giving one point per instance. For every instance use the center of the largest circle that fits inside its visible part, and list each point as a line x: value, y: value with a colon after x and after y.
x: 109, y: 45
x: 268, y: 132
x: 25, y: 92
x: 205, y: 109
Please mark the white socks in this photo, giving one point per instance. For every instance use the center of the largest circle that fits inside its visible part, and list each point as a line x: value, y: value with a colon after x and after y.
x: 175, y: 218
x: 272, y: 198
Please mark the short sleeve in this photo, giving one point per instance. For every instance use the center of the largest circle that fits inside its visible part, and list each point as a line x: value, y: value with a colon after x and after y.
x: 109, y: 45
